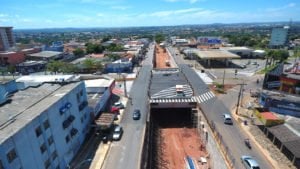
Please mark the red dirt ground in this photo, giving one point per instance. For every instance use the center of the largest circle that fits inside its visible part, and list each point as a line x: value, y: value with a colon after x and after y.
x: 160, y: 57
x: 179, y: 143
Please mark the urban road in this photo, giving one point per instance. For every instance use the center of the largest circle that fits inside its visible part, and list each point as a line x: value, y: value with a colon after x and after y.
x: 126, y: 153
x: 232, y: 135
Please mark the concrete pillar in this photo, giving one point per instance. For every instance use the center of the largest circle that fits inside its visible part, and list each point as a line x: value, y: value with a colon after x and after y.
x: 208, y: 62
x: 227, y: 62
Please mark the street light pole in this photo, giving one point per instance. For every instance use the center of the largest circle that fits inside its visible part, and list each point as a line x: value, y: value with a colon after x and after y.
x: 239, y: 96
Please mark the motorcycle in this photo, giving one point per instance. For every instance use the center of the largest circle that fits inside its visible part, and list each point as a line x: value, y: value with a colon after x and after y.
x: 247, y: 143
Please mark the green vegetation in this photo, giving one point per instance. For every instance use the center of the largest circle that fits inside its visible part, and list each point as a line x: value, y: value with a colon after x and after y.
x: 250, y: 40
x: 159, y: 38
x: 78, y: 52
x: 55, y: 66
x: 114, y: 47
x: 94, y: 48
x: 113, y: 57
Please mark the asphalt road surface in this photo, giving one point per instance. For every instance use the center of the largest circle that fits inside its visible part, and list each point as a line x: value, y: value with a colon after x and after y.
x: 232, y: 135
x: 126, y: 153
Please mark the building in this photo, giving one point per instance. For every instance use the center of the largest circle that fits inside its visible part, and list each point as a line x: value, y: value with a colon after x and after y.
x: 286, y: 140
x: 242, y: 51
x: 43, y: 126
x: 31, y: 67
x: 208, y: 56
x: 280, y: 102
x: 45, y: 55
x: 6, y: 38
x: 57, y: 46
x: 11, y: 58
x: 279, y: 37
x: 119, y: 66
x: 99, y: 92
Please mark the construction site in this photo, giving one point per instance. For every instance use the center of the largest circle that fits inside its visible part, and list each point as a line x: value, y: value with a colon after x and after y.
x: 173, y: 135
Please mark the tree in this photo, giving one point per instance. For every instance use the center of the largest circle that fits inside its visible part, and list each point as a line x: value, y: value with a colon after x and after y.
x: 55, y: 66
x: 114, y: 47
x: 114, y: 57
x: 94, y: 48
x: 78, y: 52
x: 69, y: 68
x: 99, y: 66
x: 89, y: 63
x: 159, y: 38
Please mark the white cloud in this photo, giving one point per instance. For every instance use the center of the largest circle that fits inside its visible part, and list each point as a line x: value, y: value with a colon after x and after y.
x: 290, y: 5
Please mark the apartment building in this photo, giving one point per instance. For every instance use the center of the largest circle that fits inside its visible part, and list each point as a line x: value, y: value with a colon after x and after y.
x: 6, y: 38
x: 43, y: 126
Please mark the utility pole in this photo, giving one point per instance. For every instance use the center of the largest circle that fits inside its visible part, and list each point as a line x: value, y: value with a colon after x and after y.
x: 239, y: 96
x: 223, y: 79
x: 125, y: 90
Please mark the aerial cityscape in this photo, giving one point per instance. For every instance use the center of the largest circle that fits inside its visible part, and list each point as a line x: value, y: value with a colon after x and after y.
x: 163, y: 84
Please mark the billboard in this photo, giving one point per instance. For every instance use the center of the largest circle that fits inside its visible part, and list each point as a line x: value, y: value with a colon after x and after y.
x: 209, y: 40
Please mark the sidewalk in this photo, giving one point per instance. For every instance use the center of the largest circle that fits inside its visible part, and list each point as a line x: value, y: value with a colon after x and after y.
x: 100, y: 156
x: 103, y: 149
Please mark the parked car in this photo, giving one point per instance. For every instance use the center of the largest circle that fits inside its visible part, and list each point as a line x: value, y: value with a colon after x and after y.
x: 119, y: 105
x: 136, y: 114
x: 249, y: 162
x: 115, y: 110
x: 227, y: 119
x: 117, y: 134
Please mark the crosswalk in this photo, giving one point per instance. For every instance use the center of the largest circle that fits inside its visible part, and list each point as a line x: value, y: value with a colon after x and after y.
x: 171, y: 92
x: 204, y: 97
x: 199, y: 99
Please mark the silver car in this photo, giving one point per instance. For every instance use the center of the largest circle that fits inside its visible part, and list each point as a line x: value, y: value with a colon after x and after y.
x: 118, y: 131
x: 249, y: 162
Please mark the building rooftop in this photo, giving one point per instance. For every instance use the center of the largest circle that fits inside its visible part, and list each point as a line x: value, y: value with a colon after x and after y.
x: 45, y: 54
x: 282, y: 96
x: 98, y: 83
x: 164, y: 81
x: 47, y: 78
x: 236, y: 48
x: 268, y: 115
x: 215, y: 54
x: 27, y: 104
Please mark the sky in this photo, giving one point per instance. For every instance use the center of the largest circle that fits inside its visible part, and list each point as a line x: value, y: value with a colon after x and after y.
x: 22, y: 14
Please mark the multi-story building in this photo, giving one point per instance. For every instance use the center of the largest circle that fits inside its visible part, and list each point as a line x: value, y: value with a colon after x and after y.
x: 6, y: 38
x: 279, y: 37
x: 43, y: 126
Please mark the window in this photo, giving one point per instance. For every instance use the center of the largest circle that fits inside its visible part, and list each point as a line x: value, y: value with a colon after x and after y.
x: 38, y: 131
x: 43, y: 148
x: 47, y: 163
x: 50, y: 140
x: 46, y: 124
x: 57, y: 167
x: 81, y: 119
x: 67, y: 139
x: 54, y: 155
x: 81, y: 92
x: 11, y: 155
x: 73, y: 132
x: 1, y: 165
x: 78, y: 97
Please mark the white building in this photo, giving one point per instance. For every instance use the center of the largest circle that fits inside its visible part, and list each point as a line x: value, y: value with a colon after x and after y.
x: 99, y: 92
x: 279, y: 37
x: 43, y: 126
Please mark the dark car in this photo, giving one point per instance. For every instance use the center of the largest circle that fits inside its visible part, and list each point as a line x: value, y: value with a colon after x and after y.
x: 136, y: 114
